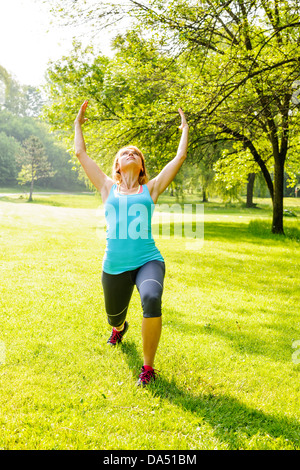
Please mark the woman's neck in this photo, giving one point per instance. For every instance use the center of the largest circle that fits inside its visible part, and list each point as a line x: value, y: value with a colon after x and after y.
x: 129, y: 181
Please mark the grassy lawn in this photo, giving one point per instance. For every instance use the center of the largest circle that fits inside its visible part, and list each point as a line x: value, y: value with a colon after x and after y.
x: 231, y: 314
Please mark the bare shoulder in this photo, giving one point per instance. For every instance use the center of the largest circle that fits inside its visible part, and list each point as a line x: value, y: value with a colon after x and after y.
x: 106, y: 188
x: 152, y: 190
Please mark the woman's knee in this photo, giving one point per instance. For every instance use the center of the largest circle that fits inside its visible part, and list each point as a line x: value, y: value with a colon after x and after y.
x: 151, y: 303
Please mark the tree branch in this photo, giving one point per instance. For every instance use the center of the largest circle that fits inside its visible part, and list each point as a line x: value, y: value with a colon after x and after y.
x: 247, y: 144
x: 249, y: 76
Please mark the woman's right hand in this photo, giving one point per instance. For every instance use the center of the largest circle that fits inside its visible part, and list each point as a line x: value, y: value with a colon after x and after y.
x: 80, y: 119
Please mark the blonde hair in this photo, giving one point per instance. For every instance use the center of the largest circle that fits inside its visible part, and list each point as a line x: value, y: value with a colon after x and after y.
x: 116, y: 175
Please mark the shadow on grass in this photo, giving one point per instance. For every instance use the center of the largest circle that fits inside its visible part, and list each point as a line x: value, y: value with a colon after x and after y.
x: 257, y: 231
x: 229, y: 232
x: 244, y: 343
x: 14, y: 200
x: 36, y: 200
x: 229, y: 417
x: 262, y: 229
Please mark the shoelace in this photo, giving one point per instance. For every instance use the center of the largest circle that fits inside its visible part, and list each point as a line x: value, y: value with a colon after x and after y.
x: 147, y: 375
x: 115, y: 336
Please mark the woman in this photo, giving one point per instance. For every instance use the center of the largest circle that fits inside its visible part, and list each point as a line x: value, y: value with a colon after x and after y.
x: 131, y: 257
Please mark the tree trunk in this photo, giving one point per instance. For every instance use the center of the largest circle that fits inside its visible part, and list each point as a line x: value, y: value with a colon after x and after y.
x: 204, y: 195
x: 31, y: 191
x: 277, y: 223
x: 250, y: 186
x: 249, y: 145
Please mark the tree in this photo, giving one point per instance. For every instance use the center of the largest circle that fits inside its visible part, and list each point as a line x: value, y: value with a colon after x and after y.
x: 241, y: 57
x: 9, y: 148
x: 34, y: 163
x: 21, y: 100
x: 20, y: 110
x: 15, y: 130
x: 126, y: 94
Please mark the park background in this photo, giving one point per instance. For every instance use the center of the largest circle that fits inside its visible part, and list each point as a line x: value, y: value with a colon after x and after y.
x: 228, y: 359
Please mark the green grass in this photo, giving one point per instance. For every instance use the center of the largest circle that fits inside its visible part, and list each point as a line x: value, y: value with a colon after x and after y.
x: 230, y: 314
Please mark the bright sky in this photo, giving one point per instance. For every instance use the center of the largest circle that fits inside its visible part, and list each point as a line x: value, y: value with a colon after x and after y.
x: 28, y: 40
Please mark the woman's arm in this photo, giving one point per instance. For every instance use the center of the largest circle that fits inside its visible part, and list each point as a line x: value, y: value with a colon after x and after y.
x: 158, y: 184
x: 95, y: 174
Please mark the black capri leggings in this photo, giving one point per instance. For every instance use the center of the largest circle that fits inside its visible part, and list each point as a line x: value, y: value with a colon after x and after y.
x: 118, y: 288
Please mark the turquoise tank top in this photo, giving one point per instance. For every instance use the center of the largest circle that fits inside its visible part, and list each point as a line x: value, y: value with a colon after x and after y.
x: 129, y: 240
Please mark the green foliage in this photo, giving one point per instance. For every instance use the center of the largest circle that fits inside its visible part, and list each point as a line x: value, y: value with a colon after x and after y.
x: 20, y: 108
x: 9, y: 148
x: 126, y: 95
x: 14, y: 131
x: 20, y: 100
x: 34, y: 163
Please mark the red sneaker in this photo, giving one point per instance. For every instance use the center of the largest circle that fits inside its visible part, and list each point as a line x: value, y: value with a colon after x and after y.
x: 117, y: 336
x: 147, y: 375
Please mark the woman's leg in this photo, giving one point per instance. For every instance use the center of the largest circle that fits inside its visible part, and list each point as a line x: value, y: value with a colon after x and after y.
x: 149, y: 281
x: 151, y: 331
x: 117, y: 289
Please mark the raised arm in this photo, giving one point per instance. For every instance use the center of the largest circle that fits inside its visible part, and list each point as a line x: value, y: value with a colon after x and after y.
x: 99, y: 179
x: 158, y: 184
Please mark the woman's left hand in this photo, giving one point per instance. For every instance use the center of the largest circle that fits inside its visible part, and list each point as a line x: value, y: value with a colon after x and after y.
x: 183, y: 120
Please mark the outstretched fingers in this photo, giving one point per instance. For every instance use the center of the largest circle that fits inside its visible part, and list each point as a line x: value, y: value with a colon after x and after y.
x: 80, y: 117
x: 83, y: 109
x: 183, y: 119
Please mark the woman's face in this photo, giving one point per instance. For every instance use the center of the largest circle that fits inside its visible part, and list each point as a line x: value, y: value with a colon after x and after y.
x: 129, y: 158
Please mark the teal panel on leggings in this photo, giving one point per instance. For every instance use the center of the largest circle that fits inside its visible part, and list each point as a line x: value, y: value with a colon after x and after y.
x: 129, y: 240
